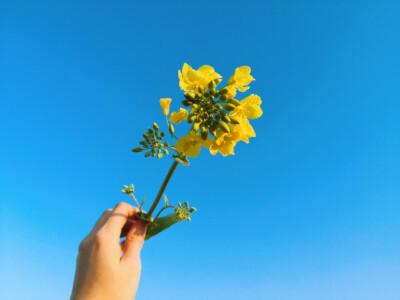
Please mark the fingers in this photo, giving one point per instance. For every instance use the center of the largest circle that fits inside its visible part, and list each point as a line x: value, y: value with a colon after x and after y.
x: 134, y: 241
x: 118, y: 218
x: 100, y: 222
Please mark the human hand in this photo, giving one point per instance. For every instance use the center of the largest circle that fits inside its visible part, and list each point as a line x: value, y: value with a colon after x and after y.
x: 107, y: 269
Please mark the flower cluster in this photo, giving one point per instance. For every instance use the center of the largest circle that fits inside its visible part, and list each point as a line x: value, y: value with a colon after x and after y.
x: 218, y: 120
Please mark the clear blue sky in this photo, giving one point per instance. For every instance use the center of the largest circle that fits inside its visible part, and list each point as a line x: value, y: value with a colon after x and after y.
x: 308, y: 210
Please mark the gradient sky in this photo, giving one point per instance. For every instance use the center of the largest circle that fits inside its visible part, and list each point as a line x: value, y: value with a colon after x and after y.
x: 308, y: 210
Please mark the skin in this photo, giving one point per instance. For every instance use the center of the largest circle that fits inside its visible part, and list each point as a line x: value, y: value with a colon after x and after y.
x: 107, y: 268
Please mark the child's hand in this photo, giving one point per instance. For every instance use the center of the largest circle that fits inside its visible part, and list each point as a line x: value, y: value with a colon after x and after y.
x: 106, y: 268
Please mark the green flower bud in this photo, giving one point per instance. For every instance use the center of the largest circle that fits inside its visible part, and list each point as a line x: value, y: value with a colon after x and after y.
x: 196, y: 126
x: 204, y: 133
x: 187, y: 103
x: 151, y: 130
x: 155, y: 126
x: 224, y: 127
x: 192, y: 118
x: 137, y: 149
x: 166, y: 144
x: 143, y: 143
x: 234, y: 120
x: 165, y: 151
x: 226, y: 119
x: 147, y: 154
x: 230, y: 107
x: 223, y: 91
x: 211, y: 84
x: 222, y: 97
x: 189, y: 96
x: 162, y: 133
x: 223, y: 113
x: 234, y: 102
x: 171, y: 129
x: 146, y: 135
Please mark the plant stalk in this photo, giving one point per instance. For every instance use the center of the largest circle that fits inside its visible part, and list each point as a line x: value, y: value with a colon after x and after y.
x: 162, y: 188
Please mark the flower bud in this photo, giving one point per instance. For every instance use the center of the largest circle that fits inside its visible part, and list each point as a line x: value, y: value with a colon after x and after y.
x: 159, y: 155
x: 187, y: 103
x: 171, y: 129
x: 137, y: 149
x: 223, y: 91
x: 166, y: 144
x: 155, y: 126
x: 234, y: 102
x: 211, y: 84
x: 165, y: 151
x: 234, y: 120
x: 192, y: 118
x: 224, y: 127
x: 204, y: 133
x: 189, y: 96
x: 229, y: 107
x: 222, y: 97
x: 226, y: 119
x: 147, y: 154
x: 196, y: 126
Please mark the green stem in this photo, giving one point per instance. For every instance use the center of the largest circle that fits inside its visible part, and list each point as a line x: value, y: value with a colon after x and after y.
x: 163, y: 186
x: 161, y: 210
x: 134, y: 198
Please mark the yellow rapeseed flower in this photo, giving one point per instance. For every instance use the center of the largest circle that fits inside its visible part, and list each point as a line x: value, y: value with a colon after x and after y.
x: 190, y: 80
x: 225, y: 143
x: 231, y: 91
x: 177, y: 117
x: 249, y: 108
x: 241, y: 78
x: 191, y: 144
x: 165, y: 102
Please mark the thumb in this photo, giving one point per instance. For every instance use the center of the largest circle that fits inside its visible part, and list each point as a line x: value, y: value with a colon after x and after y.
x: 134, y: 240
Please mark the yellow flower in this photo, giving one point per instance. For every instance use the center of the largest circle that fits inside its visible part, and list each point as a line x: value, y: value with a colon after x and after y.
x: 177, y: 117
x: 165, y: 102
x: 190, y: 80
x: 251, y: 105
x: 231, y: 91
x: 249, y: 108
x: 225, y: 143
x: 241, y: 78
x: 191, y: 144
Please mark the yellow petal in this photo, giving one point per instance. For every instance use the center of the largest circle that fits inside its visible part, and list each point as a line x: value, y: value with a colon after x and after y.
x: 189, y: 145
x: 165, y: 102
x: 177, y: 117
x: 241, y: 78
x: 251, y: 104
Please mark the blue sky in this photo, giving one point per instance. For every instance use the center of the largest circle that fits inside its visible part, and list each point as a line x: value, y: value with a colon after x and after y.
x: 308, y: 210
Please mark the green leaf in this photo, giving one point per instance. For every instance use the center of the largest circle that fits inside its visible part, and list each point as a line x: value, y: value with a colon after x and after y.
x: 144, y: 200
x: 182, y: 159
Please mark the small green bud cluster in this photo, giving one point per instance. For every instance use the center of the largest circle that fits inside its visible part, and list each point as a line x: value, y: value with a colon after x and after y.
x: 209, y: 109
x: 128, y: 190
x: 184, y: 211
x: 153, y: 143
